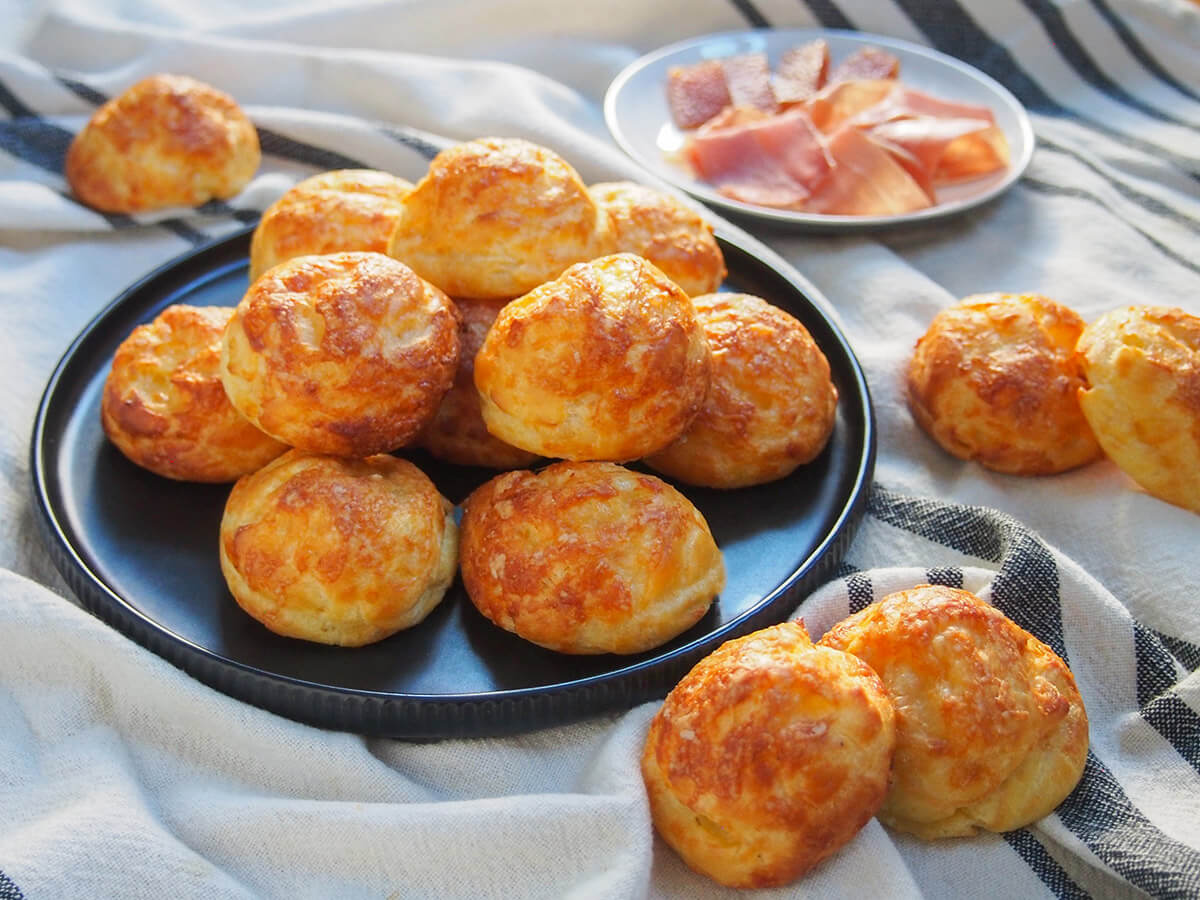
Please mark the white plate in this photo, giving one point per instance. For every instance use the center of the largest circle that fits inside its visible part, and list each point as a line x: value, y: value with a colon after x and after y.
x: 637, y: 114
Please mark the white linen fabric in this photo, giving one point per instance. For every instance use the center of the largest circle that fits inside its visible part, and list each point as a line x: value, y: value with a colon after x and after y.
x: 120, y: 776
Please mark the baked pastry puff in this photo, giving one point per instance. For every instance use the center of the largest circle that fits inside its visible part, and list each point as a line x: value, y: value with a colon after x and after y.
x: 457, y: 433
x: 995, y: 379
x: 658, y: 226
x: 495, y: 217
x: 338, y: 551
x: 768, y: 757
x: 588, y: 558
x: 605, y: 362
x: 1141, y: 368
x: 165, y: 408
x: 343, y: 209
x: 169, y: 140
x: 346, y: 353
x: 991, y: 732
x: 771, y: 403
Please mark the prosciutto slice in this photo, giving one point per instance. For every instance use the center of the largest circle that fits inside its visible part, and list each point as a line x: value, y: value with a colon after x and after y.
x: 749, y: 80
x: 801, y: 72
x: 866, y: 63
x: 948, y: 149
x: 697, y: 92
x: 836, y: 104
x: 854, y: 141
x: 865, y: 180
x: 903, y: 102
x: 775, y: 161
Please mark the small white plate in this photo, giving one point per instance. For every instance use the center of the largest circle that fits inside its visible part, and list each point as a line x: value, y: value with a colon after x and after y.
x: 635, y: 108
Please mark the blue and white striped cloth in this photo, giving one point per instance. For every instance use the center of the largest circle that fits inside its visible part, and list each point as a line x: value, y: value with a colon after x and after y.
x: 122, y: 777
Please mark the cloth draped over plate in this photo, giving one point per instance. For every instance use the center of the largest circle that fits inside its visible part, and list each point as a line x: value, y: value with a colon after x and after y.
x: 121, y: 776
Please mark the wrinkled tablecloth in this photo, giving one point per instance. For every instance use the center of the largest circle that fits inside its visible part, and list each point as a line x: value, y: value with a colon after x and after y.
x: 120, y: 776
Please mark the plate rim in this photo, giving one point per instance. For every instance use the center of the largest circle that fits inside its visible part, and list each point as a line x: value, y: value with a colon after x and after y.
x: 367, y: 711
x: 818, y: 221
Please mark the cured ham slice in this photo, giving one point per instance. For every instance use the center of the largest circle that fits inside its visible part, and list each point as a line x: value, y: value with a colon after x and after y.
x: 734, y: 115
x: 865, y: 180
x: 911, y: 164
x: 948, y: 149
x: 903, y: 102
x: 749, y: 79
x: 972, y: 156
x: 838, y: 103
x: 775, y: 161
x: 866, y: 63
x: 696, y: 93
x: 854, y: 141
x: 801, y: 72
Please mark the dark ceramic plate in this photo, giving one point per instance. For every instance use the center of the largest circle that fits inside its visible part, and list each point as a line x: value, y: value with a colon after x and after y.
x: 140, y: 551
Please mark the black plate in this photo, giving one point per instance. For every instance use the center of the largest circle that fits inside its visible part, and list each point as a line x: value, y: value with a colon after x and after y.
x: 140, y: 551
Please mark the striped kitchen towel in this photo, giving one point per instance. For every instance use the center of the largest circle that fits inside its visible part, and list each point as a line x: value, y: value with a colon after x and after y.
x: 122, y: 777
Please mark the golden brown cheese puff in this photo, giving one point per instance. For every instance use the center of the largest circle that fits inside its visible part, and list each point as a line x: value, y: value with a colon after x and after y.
x: 770, y: 405
x: 165, y: 408
x: 1141, y: 367
x: 168, y: 140
x: 606, y: 362
x: 495, y: 217
x: 995, y: 380
x: 991, y: 733
x: 346, y: 353
x: 345, y: 209
x: 769, y: 756
x: 656, y: 225
x: 335, y: 550
x: 588, y: 558
x: 457, y: 433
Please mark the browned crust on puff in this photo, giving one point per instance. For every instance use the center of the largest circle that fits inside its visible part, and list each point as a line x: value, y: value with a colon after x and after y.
x: 767, y: 757
x: 337, y: 551
x: 457, y: 433
x: 991, y: 730
x: 165, y: 408
x: 606, y: 362
x: 1142, y: 397
x: 995, y: 380
x: 169, y: 140
x: 659, y: 227
x: 347, y: 353
x: 588, y: 558
x: 771, y: 403
x: 343, y: 209
x: 495, y: 217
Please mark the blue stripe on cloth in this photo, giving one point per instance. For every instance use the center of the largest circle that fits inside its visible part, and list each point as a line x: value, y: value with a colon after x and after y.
x: 1160, y: 706
x: 82, y: 91
x: 947, y: 576
x: 827, y: 13
x: 413, y: 141
x: 951, y: 29
x: 962, y: 528
x: 1171, y: 717
x: 1045, y: 866
x: 1145, y: 201
x: 1187, y: 653
x: 750, y: 13
x: 859, y: 591
x: 1077, y: 56
x: 1058, y: 190
x: 1139, y: 51
x: 275, y: 144
x: 9, y: 889
x: 1100, y: 814
x: 1026, y: 589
